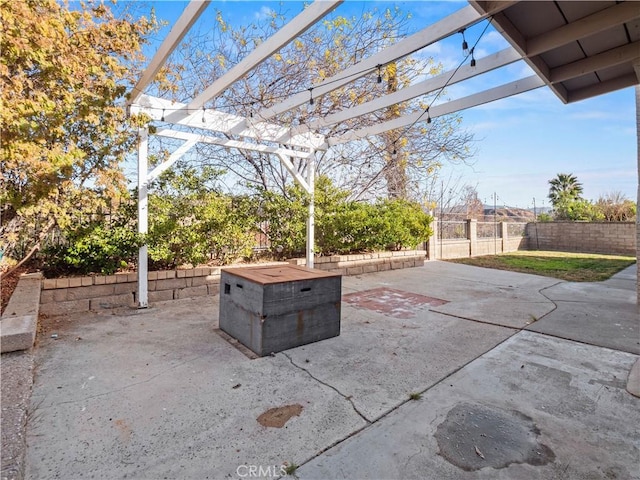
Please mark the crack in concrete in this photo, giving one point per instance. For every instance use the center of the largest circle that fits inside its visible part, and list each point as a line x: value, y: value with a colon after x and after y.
x: 346, y: 397
x: 555, y: 305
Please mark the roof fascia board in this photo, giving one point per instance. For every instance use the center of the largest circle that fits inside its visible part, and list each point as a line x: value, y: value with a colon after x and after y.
x: 600, y: 88
x: 515, y: 38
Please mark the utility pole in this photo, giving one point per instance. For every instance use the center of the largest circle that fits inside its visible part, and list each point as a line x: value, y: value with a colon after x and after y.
x: 495, y: 223
x: 535, y: 222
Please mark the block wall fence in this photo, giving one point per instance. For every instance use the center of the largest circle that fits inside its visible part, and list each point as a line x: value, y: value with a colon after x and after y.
x: 614, y: 238
x: 63, y: 296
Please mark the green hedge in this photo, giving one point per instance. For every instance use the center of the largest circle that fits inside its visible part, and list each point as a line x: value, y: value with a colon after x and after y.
x: 195, y: 225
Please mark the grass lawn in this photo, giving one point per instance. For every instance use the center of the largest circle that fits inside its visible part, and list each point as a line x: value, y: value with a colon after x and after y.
x: 574, y: 267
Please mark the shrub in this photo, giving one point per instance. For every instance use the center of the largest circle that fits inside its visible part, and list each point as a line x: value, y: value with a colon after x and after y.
x: 94, y: 249
x: 342, y: 226
x: 201, y: 228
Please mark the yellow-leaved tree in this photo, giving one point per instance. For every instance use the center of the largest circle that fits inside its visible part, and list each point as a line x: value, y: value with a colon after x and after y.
x: 64, y: 74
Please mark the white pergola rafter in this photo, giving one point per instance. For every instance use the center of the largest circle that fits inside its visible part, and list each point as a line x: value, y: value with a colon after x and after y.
x: 189, y: 16
x: 486, y: 64
x: 491, y: 95
x: 461, y: 19
x: 301, y: 23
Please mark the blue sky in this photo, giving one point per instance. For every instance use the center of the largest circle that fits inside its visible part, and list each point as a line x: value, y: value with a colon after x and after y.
x: 522, y: 141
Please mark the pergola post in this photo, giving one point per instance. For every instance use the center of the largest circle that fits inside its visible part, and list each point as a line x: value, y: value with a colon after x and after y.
x: 311, y: 170
x: 143, y: 216
x: 638, y: 199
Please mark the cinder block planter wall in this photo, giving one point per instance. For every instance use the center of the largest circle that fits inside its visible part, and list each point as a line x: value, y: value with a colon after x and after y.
x: 62, y: 296
x: 357, y: 264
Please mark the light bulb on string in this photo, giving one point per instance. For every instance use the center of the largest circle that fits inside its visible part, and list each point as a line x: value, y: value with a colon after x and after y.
x: 465, y: 45
x: 379, y: 74
x: 162, y: 118
x: 203, y: 111
x: 311, y: 96
x: 473, y: 60
x: 428, y: 116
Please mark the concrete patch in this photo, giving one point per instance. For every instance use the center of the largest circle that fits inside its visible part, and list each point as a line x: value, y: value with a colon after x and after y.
x: 476, y: 436
x: 568, y: 390
x: 277, y: 417
x: 492, y: 296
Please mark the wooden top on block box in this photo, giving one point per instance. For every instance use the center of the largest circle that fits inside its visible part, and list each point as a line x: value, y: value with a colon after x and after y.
x: 279, y: 273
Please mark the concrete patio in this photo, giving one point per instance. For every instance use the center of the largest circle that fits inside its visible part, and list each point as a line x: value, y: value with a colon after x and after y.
x: 518, y: 377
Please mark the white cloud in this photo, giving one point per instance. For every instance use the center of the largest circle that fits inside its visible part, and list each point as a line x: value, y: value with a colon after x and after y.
x: 264, y: 13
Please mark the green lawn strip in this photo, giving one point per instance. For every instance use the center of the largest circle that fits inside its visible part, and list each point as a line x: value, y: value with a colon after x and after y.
x: 574, y: 267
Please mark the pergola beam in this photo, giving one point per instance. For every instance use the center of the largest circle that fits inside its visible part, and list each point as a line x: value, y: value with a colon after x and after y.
x: 230, y: 143
x: 493, y: 94
x: 190, y: 14
x: 301, y: 23
x: 178, y: 113
x: 486, y: 64
x: 463, y: 18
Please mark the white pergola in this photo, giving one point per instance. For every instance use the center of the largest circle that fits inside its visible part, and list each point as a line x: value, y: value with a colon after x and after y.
x: 580, y: 49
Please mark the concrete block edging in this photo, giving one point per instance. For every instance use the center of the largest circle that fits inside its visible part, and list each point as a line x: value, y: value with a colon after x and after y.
x: 93, y: 293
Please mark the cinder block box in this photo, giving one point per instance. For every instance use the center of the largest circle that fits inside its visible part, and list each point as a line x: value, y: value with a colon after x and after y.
x: 273, y: 308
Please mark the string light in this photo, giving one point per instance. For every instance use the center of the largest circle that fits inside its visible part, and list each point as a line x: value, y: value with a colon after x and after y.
x: 473, y: 64
x: 465, y: 48
x: 465, y: 45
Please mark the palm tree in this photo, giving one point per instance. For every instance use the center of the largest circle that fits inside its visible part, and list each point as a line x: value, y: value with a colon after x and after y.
x: 564, y: 188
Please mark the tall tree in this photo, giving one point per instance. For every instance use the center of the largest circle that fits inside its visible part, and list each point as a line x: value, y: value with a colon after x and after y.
x: 565, y: 187
x: 64, y: 129
x: 367, y: 168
